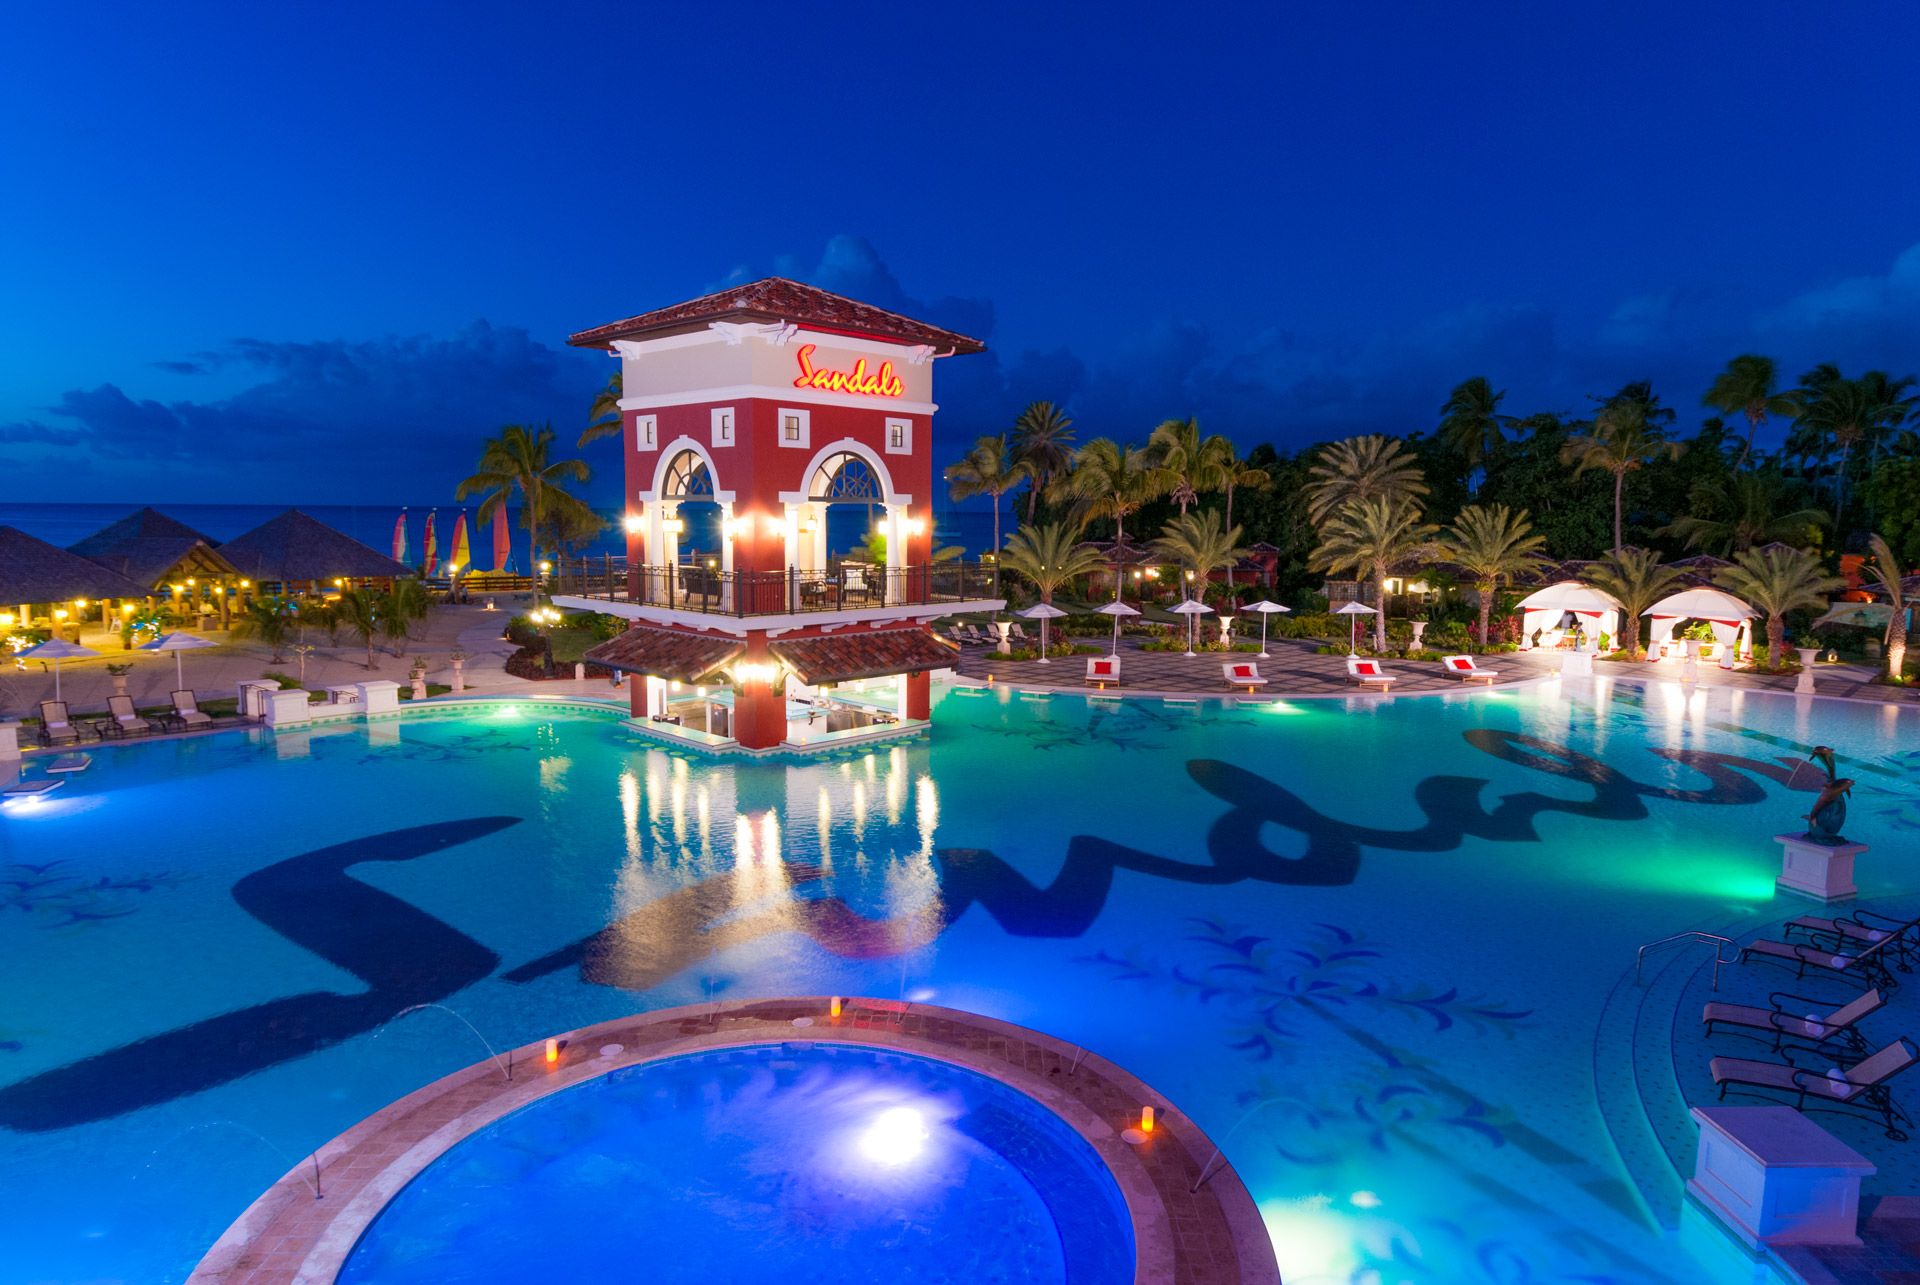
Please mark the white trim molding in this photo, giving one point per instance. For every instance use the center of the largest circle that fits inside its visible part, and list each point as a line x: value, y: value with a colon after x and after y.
x: 671, y: 452
x: 723, y: 422
x: 776, y: 393
x: 646, y: 433
x: 888, y: 495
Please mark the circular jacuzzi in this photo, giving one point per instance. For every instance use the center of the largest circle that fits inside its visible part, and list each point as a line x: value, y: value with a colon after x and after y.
x: 815, y: 1162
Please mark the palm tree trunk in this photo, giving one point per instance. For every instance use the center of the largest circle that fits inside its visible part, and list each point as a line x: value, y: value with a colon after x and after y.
x: 1033, y: 495
x: 1380, y: 616
x: 1619, y: 479
x: 1229, y: 489
x: 1486, y: 612
x: 1840, y: 488
x: 1753, y: 428
x: 1776, y: 641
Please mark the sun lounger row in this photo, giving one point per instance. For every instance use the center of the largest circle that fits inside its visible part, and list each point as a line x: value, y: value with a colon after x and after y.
x: 58, y: 726
x: 976, y: 636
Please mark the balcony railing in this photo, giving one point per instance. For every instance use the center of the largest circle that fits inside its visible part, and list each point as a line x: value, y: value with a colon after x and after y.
x: 699, y: 588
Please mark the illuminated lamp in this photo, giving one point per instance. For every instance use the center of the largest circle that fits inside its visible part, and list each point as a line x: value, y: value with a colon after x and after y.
x: 809, y: 525
x: 80, y: 603
x: 246, y: 584
x: 916, y: 526
x: 634, y: 523
x: 126, y: 609
x: 672, y: 526
x: 711, y: 564
x: 776, y: 525
x: 180, y: 588
x: 553, y: 1056
x: 6, y: 620
x: 545, y: 567
x: 339, y: 583
x: 190, y: 583
x: 833, y: 1007
x: 1146, y: 1115
x: 60, y: 613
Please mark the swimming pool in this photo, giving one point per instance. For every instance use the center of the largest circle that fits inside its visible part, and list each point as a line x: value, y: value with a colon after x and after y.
x: 795, y: 1162
x: 1370, y: 946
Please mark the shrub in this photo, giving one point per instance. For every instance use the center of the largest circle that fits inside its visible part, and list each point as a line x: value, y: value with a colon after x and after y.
x: 522, y: 632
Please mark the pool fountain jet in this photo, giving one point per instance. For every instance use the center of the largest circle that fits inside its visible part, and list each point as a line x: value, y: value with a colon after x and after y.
x: 506, y: 1065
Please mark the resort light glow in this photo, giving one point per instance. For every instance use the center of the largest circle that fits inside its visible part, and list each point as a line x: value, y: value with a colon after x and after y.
x: 634, y: 524
x: 896, y: 1136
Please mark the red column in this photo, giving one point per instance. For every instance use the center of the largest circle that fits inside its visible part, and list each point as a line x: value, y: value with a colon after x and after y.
x: 637, y: 695
x: 919, y: 694
x: 759, y: 701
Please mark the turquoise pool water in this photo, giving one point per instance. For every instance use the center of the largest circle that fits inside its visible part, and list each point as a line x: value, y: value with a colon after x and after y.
x: 1366, y: 944
x: 767, y: 1164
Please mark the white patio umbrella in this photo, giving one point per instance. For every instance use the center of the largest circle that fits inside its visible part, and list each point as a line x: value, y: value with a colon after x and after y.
x: 1190, y: 608
x: 177, y: 643
x: 57, y: 650
x: 1356, y: 610
x: 1265, y: 609
x: 1042, y: 612
x: 1116, y: 610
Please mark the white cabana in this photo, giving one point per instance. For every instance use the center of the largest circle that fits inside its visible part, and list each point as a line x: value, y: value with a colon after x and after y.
x: 1730, y: 618
x: 1543, y: 609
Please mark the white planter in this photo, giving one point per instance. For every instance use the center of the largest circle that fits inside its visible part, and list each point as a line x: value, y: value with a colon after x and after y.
x: 1776, y: 1178
x: 1819, y: 870
x: 1807, y: 655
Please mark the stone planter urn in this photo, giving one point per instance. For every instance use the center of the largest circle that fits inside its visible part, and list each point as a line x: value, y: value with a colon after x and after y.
x: 1419, y: 630
x: 1693, y: 649
x: 1807, y: 656
x: 459, y: 672
x: 419, y: 677
x: 119, y: 681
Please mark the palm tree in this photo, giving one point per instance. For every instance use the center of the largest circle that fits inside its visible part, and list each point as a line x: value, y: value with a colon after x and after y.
x: 1638, y: 580
x: 1236, y: 473
x: 1492, y: 544
x: 603, y: 417
x: 1623, y: 440
x: 1187, y: 462
x: 1777, y: 581
x: 517, y: 460
x: 1885, y: 569
x: 1049, y: 556
x: 1754, y: 510
x: 1841, y: 411
x: 1746, y: 387
x: 1199, y: 544
x: 360, y: 612
x: 403, y: 607
x: 1110, y: 481
x: 1361, y: 468
x: 1471, y: 423
x: 1897, y: 400
x: 1043, y: 442
x: 986, y: 470
x: 270, y: 620
x: 1369, y: 537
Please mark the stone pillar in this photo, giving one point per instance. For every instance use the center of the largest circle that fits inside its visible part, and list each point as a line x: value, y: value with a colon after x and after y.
x: 759, y: 714
x: 637, y: 694
x: 917, y: 690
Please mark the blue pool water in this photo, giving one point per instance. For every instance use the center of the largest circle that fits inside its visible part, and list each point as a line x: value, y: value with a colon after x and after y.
x: 811, y: 1163
x: 1381, y: 949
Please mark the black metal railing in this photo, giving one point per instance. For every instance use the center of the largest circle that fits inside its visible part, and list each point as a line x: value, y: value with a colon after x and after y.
x: 702, y: 588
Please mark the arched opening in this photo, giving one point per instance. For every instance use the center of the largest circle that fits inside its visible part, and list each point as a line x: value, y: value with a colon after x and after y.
x: 849, y: 495
x: 687, y: 492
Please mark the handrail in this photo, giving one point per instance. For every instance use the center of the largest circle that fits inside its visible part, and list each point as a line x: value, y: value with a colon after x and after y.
x: 707, y: 589
x: 1692, y: 934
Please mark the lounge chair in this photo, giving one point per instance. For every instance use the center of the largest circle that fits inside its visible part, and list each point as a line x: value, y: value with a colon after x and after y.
x: 977, y: 635
x: 1467, y: 670
x: 1102, y: 670
x: 1795, y: 1017
x: 1242, y: 673
x: 1862, y: 1087
x: 1823, y: 955
x: 954, y: 632
x: 1862, y: 928
x: 1017, y: 630
x: 187, y: 709
x: 56, y: 726
x: 1368, y: 673
x: 125, y: 717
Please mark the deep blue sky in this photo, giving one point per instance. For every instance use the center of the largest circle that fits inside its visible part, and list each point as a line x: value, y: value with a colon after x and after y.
x: 334, y: 244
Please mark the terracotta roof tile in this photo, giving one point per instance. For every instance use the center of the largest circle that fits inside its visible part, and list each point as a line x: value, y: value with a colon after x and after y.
x: 778, y: 299
x: 863, y: 653
x: 678, y: 654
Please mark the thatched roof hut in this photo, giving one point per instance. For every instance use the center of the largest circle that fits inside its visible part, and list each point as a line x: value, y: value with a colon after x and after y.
x: 33, y: 571
x: 154, y: 550
x: 293, y: 548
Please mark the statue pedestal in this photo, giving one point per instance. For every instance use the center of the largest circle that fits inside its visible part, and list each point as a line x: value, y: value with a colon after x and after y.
x: 1819, y: 870
x: 1776, y: 1178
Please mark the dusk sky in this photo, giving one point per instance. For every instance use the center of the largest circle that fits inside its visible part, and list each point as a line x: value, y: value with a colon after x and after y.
x: 335, y: 245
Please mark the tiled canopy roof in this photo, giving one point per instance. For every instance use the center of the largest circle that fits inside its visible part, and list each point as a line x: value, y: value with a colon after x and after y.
x: 148, y: 546
x: 294, y: 547
x: 678, y: 654
x: 866, y: 653
x: 780, y: 300
x: 33, y: 571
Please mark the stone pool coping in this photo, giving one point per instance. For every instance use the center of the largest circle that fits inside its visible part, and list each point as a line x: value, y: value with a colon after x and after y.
x: 1211, y: 1237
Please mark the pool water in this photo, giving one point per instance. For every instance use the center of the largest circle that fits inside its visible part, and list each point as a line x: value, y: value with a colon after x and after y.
x: 797, y: 1162
x: 1375, y: 948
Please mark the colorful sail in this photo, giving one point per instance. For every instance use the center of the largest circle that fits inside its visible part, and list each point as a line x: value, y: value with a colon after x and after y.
x: 431, y: 550
x: 461, y: 557
x: 400, y: 537
x: 502, y: 546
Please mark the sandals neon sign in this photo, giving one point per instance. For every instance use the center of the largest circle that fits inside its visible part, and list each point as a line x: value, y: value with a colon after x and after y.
x: 880, y: 383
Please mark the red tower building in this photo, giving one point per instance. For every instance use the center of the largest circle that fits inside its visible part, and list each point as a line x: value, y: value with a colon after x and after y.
x: 746, y: 416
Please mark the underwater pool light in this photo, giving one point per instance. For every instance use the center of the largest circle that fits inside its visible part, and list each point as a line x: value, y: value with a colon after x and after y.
x: 895, y: 1137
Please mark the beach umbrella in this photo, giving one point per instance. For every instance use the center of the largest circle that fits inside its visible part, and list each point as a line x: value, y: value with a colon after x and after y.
x: 177, y: 643
x: 429, y: 550
x: 57, y: 650
x: 400, y: 537
x: 1116, y: 610
x: 462, y: 555
x: 1190, y: 608
x: 1265, y: 609
x: 502, y: 545
x: 1865, y: 615
x: 1356, y: 610
x: 1042, y: 612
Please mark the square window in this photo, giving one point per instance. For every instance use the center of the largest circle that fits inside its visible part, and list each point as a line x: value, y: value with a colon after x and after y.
x: 796, y: 426
x: 646, y: 430
x: 899, y: 436
x: 723, y: 426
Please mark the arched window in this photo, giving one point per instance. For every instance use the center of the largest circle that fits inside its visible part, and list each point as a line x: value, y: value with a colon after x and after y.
x: 688, y: 478
x: 845, y: 476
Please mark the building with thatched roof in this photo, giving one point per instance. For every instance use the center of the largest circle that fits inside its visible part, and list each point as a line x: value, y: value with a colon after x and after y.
x: 295, y: 549
x: 35, y: 573
x: 152, y: 549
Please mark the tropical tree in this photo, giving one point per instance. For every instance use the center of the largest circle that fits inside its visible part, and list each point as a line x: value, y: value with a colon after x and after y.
x: 1755, y: 508
x: 1361, y: 468
x: 1777, y: 580
x: 1199, y: 544
x: 1492, y: 544
x: 1887, y: 582
x: 1043, y: 442
x: 1623, y: 440
x: 1471, y: 424
x: 1746, y: 387
x: 1637, y: 578
x: 1236, y: 474
x: 360, y: 614
x: 519, y: 459
x: 1049, y: 556
x: 987, y: 469
x: 1369, y: 538
x: 1110, y: 481
x: 603, y: 417
x: 271, y: 620
x: 401, y: 608
x: 1187, y: 462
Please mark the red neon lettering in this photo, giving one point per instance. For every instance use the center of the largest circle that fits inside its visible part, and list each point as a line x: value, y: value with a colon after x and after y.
x: 880, y: 383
